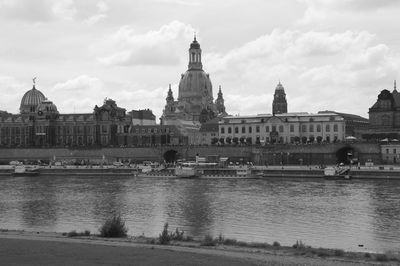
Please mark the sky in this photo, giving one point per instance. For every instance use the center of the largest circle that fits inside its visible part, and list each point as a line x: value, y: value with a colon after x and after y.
x: 328, y: 54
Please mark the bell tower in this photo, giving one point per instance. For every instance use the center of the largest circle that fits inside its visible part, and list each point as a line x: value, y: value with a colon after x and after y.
x: 279, y: 105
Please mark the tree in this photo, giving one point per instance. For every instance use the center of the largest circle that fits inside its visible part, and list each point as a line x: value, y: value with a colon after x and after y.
x: 312, y: 139
x: 242, y: 140
x: 228, y: 140
x: 297, y: 139
x: 249, y: 140
x: 235, y: 140
x: 304, y: 140
x: 222, y: 140
x: 319, y: 139
x: 214, y: 141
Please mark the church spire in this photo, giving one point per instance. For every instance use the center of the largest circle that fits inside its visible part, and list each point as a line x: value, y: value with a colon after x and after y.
x: 219, y: 102
x: 170, y: 97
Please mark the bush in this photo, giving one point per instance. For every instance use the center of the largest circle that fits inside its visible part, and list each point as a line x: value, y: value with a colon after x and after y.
x: 381, y: 257
x: 208, y: 241
x: 276, y: 244
x: 114, y: 227
x: 299, y: 245
x: 367, y: 255
x: 72, y: 234
x: 322, y: 252
x: 230, y: 242
x: 164, y: 238
x: 339, y: 252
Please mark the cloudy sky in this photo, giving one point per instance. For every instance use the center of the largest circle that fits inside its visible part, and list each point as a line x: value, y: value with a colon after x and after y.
x: 328, y: 54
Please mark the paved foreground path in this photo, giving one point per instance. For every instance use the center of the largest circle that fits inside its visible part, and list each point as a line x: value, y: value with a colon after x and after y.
x: 22, y: 250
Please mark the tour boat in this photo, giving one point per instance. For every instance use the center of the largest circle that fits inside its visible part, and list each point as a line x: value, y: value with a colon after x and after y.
x: 337, y: 173
x: 235, y: 171
x: 183, y: 171
x: 25, y: 170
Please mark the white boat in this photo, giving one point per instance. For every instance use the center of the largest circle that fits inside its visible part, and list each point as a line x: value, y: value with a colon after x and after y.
x: 236, y: 171
x: 337, y: 173
x: 183, y: 171
x: 25, y: 170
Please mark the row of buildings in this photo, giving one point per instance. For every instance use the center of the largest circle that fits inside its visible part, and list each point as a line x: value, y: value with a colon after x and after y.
x: 192, y: 118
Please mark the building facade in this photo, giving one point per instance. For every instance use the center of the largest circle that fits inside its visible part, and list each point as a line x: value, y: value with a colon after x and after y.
x: 282, y: 128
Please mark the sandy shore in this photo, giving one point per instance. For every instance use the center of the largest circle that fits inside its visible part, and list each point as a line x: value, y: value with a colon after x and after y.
x: 40, y: 248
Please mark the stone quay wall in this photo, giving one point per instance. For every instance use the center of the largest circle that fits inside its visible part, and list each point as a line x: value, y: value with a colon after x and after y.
x: 270, y: 155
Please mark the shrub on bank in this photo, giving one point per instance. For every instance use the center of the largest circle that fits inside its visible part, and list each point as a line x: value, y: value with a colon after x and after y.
x: 208, y: 241
x: 114, y: 227
x: 165, y: 237
x: 73, y: 233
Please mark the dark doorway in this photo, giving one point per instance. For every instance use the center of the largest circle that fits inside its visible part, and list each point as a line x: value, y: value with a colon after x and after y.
x: 346, y: 155
x: 170, y: 156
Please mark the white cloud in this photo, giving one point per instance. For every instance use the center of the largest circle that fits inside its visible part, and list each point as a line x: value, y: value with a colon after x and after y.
x: 65, y: 9
x: 321, y: 9
x: 163, y: 46
x: 12, y: 91
x: 317, y: 69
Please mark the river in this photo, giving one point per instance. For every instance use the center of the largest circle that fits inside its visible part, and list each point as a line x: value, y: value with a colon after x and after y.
x: 320, y: 213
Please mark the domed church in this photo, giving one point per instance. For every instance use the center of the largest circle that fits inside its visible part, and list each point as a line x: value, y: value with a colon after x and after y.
x: 195, y: 99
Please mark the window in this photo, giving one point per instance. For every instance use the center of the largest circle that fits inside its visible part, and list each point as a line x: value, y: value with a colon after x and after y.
x: 335, y: 128
x: 281, y: 128
x: 303, y: 128
x: 229, y: 130
x: 394, y: 151
x: 250, y: 129
x: 222, y: 130
x: 273, y: 128
x: 318, y: 128
x: 257, y: 129
x: 243, y: 130
x: 291, y: 128
x: 236, y: 130
x: 328, y: 128
x: 311, y: 128
x: 387, y: 150
x: 266, y: 128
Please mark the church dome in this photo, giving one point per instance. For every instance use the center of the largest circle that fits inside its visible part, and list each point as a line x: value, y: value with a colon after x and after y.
x: 195, y: 83
x: 31, y: 100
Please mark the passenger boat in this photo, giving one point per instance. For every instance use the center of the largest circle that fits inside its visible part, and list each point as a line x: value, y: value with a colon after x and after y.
x: 236, y: 171
x: 337, y: 173
x: 187, y: 171
x: 25, y: 170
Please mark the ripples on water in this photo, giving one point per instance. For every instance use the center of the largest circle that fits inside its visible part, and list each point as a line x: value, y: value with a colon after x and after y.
x: 321, y: 213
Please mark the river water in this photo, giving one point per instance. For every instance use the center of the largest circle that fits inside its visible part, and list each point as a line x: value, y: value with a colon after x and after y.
x: 320, y: 213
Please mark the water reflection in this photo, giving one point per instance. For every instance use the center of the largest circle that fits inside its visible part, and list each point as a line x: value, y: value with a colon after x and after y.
x: 318, y: 212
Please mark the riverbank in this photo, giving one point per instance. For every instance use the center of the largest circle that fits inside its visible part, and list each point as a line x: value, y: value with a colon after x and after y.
x: 287, y: 171
x: 41, y: 248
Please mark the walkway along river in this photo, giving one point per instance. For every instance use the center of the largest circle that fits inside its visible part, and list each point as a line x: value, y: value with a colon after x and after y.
x: 320, y: 213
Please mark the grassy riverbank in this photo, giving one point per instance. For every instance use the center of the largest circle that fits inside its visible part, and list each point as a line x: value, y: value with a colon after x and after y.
x: 87, y: 249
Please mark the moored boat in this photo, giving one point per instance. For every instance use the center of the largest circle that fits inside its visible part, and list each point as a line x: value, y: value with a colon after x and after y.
x: 25, y: 170
x: 337, y: 173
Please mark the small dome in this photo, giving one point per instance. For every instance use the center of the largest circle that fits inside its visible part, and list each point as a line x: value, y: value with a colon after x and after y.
x: 195, y: 44
x: 46, y: 106
x: 30, y: 100
x: 279, y: 86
